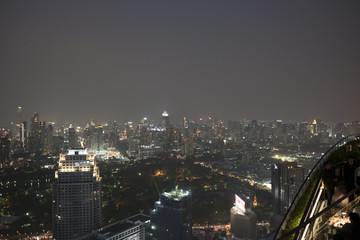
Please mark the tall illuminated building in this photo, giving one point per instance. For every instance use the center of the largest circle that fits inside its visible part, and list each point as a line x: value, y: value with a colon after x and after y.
x: 166, y: 120
x: 76, y: 196
x: 168, y: 137
x: 186, y: 127
x: 172, y: 219
x: 286, y: 179
x: 19, y: 113
x: 23, y: 135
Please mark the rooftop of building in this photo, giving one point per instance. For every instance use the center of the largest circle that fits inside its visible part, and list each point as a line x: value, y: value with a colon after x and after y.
x: 77, y: 151
x: 123, y: 225
x: 287, y: 165
x: 139, y: 217
x: 176, y: 194
x: 116, y: 228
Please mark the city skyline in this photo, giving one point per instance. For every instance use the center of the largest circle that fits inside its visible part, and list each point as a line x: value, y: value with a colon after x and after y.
x: 141, y: 161
x: 119, y: 60
x: 154, y: 119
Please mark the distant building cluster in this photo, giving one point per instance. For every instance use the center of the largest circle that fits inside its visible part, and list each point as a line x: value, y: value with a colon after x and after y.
x: 145, y: 139
x: 232, y: 148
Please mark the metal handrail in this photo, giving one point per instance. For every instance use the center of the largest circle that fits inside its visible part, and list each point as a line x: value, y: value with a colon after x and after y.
x: 307, y: 181
x: 325, y: 226
x: 310, y: 205
x: 313, y: 218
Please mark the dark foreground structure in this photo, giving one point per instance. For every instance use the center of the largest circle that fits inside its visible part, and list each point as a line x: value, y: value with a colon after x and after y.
x: 326, y: 199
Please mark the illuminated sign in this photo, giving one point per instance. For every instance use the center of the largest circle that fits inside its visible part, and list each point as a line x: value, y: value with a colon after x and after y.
x: 239, y: 203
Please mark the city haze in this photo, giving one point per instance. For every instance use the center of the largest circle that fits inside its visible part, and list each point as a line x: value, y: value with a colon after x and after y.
x: 127, y: 60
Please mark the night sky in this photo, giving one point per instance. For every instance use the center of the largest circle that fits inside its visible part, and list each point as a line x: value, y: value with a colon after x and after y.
x: 124, y: 60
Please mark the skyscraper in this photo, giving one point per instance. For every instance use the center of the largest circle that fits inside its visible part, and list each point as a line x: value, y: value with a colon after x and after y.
x: 36, y: 139
x: 76, y: 195
x: 166, y: 120
x: 172, y: 219
x: 5, y: 153
x: 73, y: 138
x: 286, y: 178
x: 34, y: 124
x: 168, y: 136
x: 23, y: 135
x: 19, y: 114
x: 48, y: 142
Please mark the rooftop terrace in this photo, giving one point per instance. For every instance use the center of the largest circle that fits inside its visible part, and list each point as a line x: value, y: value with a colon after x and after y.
x: 310, y: 216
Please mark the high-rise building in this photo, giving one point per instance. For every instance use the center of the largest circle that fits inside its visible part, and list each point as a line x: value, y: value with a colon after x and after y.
x: 172, y: 219
x: 5, y: 153
x: 242, y: 219
x: 48, y: 143
x: 34, y: 123
x: 97, y: 138
x: 23, y: 135
x: 186, y: 127
x: 36, y: 140
x: 286, y: 178
x: 19, y: 114
x: 143, y: 132
x: 166, y: 120
x: 73, y: 138
x: 168, y: 137
x: 58, y: 144
x: 235, y: 130
x: 76, y: 195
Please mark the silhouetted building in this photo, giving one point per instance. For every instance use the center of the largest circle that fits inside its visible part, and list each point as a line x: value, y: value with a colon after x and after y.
x: 172, y: 219
x: 58, y: 144
x: 37, y: 134
x: 76, y: 196
x: 96, y: 139
x: 286, y: 178
x: 5, y: 156
x: 48, y: 142
x: 73, y: 138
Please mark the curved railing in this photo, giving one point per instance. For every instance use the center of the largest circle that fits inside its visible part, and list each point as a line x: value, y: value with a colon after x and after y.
x: 314, y: 172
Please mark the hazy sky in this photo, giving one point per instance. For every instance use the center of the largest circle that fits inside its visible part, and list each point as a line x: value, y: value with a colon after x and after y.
x: 122, y: 60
